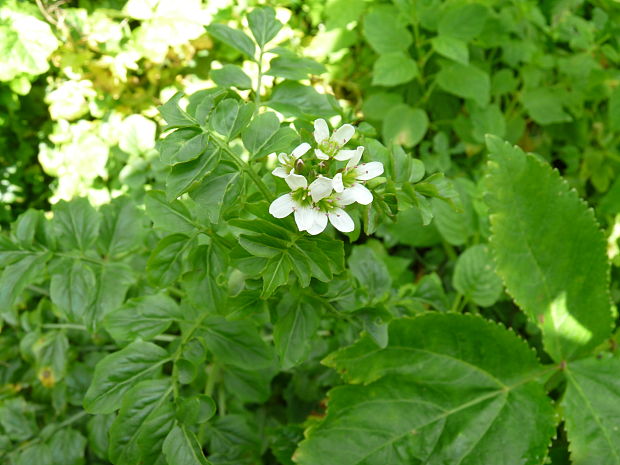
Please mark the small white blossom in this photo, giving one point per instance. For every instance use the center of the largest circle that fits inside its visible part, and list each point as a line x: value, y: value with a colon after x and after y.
x: 301, y: 200
x: 348, y: 182
x: 288, y: 161
x: 331, y: 146
x: 336, y: 215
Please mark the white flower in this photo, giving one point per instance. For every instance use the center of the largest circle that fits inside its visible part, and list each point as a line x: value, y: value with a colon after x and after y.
x: 336, y: 215
x: 288, y: 161
x: 302, y: 200
x: 348, y: 182
x: 331, y: 146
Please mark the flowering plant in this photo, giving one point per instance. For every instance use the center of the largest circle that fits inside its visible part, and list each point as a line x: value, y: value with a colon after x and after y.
x: 324, y: 197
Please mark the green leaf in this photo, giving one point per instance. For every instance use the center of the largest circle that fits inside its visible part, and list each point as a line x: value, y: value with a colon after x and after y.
x: 465, y: 81
x: 197, y: 409
x: 263, y: 24
x: 385, y: 32
x: 165, y: 264
x: 405, y: 126
x: 184, y: 176
x: 222, y: 184
x: 231, y: 76
x: 17, y: 419
x: 113, y: 281
x: 487, y: 120
x: 182, y: 145
x: 50, y: 353
x: 174, y: 116
x: 26, y: 45
x: 264, y: 135
x: 144, y: 419
x: 203, y: 283
x: 288, y: 65
x: 392, y: 69
x: 230, y: 117
x: 545, y: 105
x: 40, y: 454
x: 121, y: 228
x: 451, y: 47
x: 447, y: 389
x: 591, y: 411
x: 76, y: 223
x: 464, y: 21
x: 234, y: 38
x: 237, y: 343
x: 67, y: 446
x: 613, y: 110
x: 98, y: 428
x: 24, y: 229
x: 295, y: 328
x: 182, y: 447
x: 15, y: 278
x: 169, y: 216
x: 370, y: 271
x: 142, y: 317
x: 543, y: 231
x: 475, y: 277
x: 73, y: 289
x: 293, y: 99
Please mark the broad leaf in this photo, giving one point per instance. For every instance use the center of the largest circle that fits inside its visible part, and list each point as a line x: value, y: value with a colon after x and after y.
x: 542, y: 233
x: 233, y: 37
x: 165, y: 264
x: 183, y: 176
x: 475, y: 277
x: 121, y: 227
x: 384, y: 30
x: 73, y: 289
x: 118, y: 372
x: 466, y: 81
x: 230, y: 117
x: 77, y: 223
x: 592, y: 412
x: 182, y: 145
x: 263, y: 24
x: 447, y: 389
x: 170, y: 216
x: 182, y: 447
x: 145, y: 418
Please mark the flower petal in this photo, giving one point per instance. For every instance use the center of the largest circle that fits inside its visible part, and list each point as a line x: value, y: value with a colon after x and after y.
x: 353, y: 162
x: 344, y: 155
x: 337, y: 182
x: 304, y: 217
x: 300, y: 150
x: 320, y: 188
x: 360, y: 193
x: 282, y: 206
x: 321, y: 131
x: 341, y: 220
x: 320, y: 222
x: 296, y: 181
x: 367, y: 171
x: 281, y: 172
x: 346, y: 197
x: 320, y: 155
x: 283, y: 158
x: 343, y: 134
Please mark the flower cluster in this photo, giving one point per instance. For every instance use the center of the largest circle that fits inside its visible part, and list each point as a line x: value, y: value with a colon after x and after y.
x: 324, y: 198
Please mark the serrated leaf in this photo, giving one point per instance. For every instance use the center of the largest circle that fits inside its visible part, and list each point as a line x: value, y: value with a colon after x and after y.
x: 541, y: 230
x: 182, y: 447
x: 145, y: 410
x: 142, y: 317
x: 446, y: 389
x: 118, y: 372
x: 592, y: 412
x: 475, y: 277
x: 233, y: 37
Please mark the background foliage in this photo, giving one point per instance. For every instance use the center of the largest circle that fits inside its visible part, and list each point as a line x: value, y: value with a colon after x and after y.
x: 152, y: 311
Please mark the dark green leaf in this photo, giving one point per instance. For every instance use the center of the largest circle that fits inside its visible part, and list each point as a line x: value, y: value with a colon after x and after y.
x: 165, y: 264
x: 170, y: 216
x: 121, y: 228
x: 73, y: 289
x: 174, y: 116
x: 118, y: 372
x: 184, y: 176
x: 77, y: 223
x: 182, y: 145
x: 475, y: 277
x: 182, y: 447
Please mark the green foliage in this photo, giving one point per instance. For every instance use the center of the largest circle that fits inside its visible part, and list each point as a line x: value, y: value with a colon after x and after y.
x: 155, y: 308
